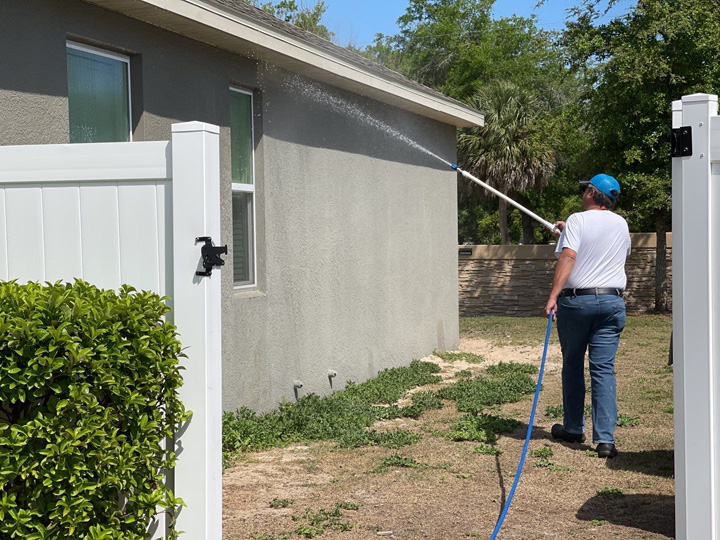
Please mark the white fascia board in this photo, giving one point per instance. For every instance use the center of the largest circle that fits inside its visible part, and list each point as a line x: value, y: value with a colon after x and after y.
x: 217, y: 25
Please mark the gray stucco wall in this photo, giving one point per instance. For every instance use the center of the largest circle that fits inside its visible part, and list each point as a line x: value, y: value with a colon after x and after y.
x: 357, y: 256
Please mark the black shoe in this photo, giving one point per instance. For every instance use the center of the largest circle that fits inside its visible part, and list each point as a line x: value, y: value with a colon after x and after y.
x: 558, y: 432
x: 606, y: 450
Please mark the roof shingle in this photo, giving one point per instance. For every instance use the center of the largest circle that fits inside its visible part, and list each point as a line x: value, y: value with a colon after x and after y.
x: 347, y: 55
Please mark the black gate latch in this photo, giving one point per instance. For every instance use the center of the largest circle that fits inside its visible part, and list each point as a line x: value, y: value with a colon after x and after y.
x: 210, y: 255
x: 682, y: 141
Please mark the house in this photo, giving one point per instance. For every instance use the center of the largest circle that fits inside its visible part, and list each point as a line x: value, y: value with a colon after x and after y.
x: 342, y: 236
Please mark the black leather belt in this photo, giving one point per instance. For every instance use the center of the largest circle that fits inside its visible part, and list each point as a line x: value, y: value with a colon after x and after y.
x: 585, y: 292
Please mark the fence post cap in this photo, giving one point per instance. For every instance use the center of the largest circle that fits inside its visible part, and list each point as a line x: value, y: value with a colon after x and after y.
x: 699, y: 97
x: 189, y: 127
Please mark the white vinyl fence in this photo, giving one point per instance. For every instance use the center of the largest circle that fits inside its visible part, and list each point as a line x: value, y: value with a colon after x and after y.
x: 130, y: 213
x: 696, y: 315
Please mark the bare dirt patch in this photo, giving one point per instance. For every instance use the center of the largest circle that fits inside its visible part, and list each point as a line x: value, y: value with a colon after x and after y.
x: 454, y: 492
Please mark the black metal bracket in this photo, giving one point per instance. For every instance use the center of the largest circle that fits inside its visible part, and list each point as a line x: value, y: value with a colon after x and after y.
x: 210, y: 255
x: 682, y: 141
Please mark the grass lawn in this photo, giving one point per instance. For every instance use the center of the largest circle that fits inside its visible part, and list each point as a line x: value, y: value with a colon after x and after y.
x: 443, y: 473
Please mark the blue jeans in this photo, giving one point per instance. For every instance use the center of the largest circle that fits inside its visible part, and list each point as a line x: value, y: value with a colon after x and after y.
x: 591, y: 322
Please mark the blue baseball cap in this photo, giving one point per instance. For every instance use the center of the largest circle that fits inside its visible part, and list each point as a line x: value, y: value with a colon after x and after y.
x: 605, y: 184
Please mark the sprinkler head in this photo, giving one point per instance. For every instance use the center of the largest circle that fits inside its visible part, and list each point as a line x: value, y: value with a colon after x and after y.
x: 454, y: 166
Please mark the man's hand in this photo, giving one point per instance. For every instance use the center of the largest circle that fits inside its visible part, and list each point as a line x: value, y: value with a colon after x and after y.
x: 562, y: 273
x: 559, y: 226
x: 551, y: 307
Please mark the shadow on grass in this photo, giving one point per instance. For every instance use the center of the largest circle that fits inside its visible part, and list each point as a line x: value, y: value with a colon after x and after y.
x: 501, y: 480
x: 539, y: 433
x: 655, y: 462
x: 650, y: 513
x: 647, y: 512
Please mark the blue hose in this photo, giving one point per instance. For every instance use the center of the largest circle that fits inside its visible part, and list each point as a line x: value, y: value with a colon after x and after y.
x: 529, y: 433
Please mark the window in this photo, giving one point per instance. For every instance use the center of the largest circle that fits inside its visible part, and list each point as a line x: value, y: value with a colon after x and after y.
x: 98, y: 95
x: 243, y: 187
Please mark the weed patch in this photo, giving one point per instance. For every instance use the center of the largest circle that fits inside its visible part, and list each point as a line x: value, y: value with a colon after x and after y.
x: 386, y: 412
x: 396, y: 461
x: 308, y: 531
x: 396, y: 438
x: 390, y: 384
x: 348, y: 505
x: 353, y: 438
x: 610, y: 492
x: 421, y: 402
x: 555, y: 412
x: 505, y: 368
x: 481, y: 428
x: 488, y: 450
x: 343, y: 416
x: 462, y: 356
x: 627, y: 420
x: 317, y: 523
x: 464, y: 374
x: 544, y: 452
x: 281, y: 503
x: 476, y: 395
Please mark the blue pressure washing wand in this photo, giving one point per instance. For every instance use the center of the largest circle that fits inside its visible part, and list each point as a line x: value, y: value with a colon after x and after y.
x: 528, y: 435
x: 504, y: 197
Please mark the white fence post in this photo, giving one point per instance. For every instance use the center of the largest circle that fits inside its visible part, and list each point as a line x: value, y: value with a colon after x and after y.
x: 696, y: 301
x: 197, y: 314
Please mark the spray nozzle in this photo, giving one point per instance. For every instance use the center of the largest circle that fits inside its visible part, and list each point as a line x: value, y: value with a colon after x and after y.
x: 454, y: 166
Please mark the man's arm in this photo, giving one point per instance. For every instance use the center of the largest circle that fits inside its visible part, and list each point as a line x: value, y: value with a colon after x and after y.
x: 562, y: 273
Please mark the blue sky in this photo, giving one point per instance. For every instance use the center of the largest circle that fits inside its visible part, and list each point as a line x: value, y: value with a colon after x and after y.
x: 357, y: 21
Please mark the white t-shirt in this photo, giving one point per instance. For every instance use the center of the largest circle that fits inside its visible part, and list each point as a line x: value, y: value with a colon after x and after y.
x: 602, y: 241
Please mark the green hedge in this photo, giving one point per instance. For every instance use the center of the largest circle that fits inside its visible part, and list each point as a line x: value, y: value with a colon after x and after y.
x: 88, y: 394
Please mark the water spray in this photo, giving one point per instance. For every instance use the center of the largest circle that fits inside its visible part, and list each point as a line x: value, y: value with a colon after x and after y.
x: 552, y: 228
x: 352, y: 110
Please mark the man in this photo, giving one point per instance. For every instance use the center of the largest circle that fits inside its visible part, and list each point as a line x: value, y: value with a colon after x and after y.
x: 586, y: 299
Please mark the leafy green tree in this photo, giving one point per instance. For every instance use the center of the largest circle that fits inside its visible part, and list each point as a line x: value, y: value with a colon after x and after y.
x: 307, y: 18
x: 635, y: 65
x: 508, y: 152
x: 457, y: 47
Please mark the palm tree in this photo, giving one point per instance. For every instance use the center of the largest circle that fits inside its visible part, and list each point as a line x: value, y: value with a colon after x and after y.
x: 509, y: 152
